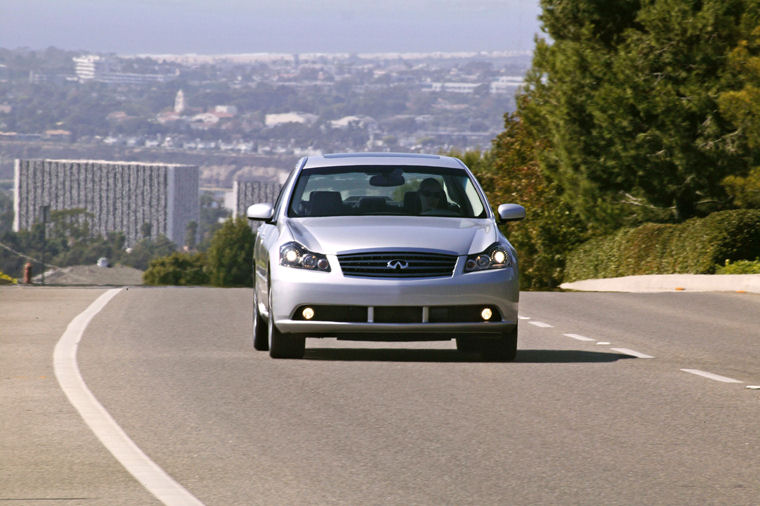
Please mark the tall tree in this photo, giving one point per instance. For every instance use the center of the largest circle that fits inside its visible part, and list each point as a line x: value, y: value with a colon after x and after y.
x: 742, y: 107
x: 626, y: 100
x: 231, y: 253
x: 510, y: 173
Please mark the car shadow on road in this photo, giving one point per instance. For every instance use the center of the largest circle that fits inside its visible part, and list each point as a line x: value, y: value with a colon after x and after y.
x: 566, y: 356
x: 427, y: 355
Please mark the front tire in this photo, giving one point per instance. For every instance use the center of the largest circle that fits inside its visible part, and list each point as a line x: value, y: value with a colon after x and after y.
x: 283, y: 345
x: 260, y: 330
x: 500, y: 349
x: 468, y: 344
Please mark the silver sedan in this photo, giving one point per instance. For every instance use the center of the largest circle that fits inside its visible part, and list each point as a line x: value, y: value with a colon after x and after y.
x: 384, y: 246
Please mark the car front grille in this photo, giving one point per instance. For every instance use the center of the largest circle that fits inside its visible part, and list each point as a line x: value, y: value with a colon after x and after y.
x: 397, y: 264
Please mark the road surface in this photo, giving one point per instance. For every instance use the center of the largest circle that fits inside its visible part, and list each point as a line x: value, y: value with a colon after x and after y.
x: 613, y: 399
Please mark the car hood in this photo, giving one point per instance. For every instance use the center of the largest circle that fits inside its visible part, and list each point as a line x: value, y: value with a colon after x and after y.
x: 343, y: 234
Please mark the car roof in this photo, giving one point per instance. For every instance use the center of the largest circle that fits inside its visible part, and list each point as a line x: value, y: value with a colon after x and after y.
x: 348, y: 159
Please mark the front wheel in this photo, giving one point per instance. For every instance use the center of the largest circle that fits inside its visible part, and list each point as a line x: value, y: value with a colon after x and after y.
x: 260, y: 331
x: 283, y: 345
x: 500, y: 349
x: 468, y: 344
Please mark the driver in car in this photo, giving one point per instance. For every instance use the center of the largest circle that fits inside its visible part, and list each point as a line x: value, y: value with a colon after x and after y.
x: 432, y: 196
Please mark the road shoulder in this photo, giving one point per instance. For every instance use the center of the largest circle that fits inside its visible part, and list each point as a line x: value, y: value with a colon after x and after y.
x: 49, y: 452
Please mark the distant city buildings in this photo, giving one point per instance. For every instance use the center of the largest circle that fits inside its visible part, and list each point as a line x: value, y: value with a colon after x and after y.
x: 100, y: 69
x: 271, y: 120
x: 128, y: 197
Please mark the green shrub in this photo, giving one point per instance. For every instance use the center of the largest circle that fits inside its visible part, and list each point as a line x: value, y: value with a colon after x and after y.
x: 695, y: 246
x: 739, y: 267
x: 230, y: 254
x: 177, y: 269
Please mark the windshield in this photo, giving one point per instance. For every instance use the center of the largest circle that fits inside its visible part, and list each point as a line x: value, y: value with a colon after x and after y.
x: 385, y: 190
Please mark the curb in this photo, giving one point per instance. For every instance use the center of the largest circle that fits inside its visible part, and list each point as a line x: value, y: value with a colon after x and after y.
x: 655, y: 283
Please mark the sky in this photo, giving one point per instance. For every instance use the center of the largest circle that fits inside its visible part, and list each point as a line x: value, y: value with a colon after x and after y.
x: 251, y: 26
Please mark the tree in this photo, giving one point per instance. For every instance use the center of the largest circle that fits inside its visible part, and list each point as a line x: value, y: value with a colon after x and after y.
x: 145, y: 230
x: 231, y: 253
x: 625, y: 100
x: 6, y: 212
x: 177, y: 269
x: 148, y: 249
x: 742, y: 108
x: 191, y: 233
x: 510, y: 173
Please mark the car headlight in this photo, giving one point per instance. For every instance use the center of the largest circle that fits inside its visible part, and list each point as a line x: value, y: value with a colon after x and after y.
x: 495, y: 257
x: 293, y: 254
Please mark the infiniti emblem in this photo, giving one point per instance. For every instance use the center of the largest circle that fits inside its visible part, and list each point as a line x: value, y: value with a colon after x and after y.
x: 397, y: 264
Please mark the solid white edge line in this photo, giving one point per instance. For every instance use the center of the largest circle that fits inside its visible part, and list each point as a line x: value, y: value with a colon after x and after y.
x: 578, y: 337
x: 139, y: 465
x: 543, y: 325
x: 711, y: 376
x: 632, y: 353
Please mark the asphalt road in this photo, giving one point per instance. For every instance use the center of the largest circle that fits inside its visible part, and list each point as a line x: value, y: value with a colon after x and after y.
x: 577, y: 419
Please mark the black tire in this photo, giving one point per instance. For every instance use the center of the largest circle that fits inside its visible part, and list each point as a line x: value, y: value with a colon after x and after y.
x: 468, y: 344
x: 283, y: 345
x: 260, y: 331
x: 500, y: 349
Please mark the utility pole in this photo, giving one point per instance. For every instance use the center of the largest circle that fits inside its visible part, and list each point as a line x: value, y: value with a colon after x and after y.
x: 44, y: 211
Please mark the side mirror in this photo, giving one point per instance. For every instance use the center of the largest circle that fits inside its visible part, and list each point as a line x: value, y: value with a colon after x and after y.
x: 511, y: 212
x: 261, y: 212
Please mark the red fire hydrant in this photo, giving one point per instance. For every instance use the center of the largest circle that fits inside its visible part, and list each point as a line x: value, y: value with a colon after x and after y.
x: 28, y: 273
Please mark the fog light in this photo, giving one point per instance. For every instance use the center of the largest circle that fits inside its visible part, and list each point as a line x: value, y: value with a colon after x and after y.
x: 307, y: 313
x: 486, y: 314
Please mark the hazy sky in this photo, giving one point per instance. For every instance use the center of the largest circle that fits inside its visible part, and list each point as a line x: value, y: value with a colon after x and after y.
x: 239, y: 26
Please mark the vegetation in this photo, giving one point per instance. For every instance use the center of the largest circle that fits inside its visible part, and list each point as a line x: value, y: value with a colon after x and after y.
x: 68, y: 240
x: 739, y: 267
x: 177, y: 269
x: 230, y: 254
x: 695, y: 246
x: 227, y: 262
x: 510, y: 173
x: 626, y: 99
x: 633, y: 112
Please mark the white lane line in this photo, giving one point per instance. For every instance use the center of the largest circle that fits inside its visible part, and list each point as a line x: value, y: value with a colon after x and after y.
x: 541, y: 324
x: 521, y: 317
x: 147, y: 472
x: 632, y: 353
x: 711, y: 376
x: 578, y: 337
x: 603, y: 343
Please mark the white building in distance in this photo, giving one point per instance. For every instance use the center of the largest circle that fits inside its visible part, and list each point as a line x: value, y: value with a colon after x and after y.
x: 119, y: 196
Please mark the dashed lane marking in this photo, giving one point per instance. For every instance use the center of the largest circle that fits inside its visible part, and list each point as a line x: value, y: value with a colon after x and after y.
x: 579, y: 337
x: 139, y: 465
x: 709, y: 375
x: 543, y: 325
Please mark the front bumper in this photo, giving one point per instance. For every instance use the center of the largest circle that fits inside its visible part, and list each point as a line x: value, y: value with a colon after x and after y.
x: 293, y: 289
